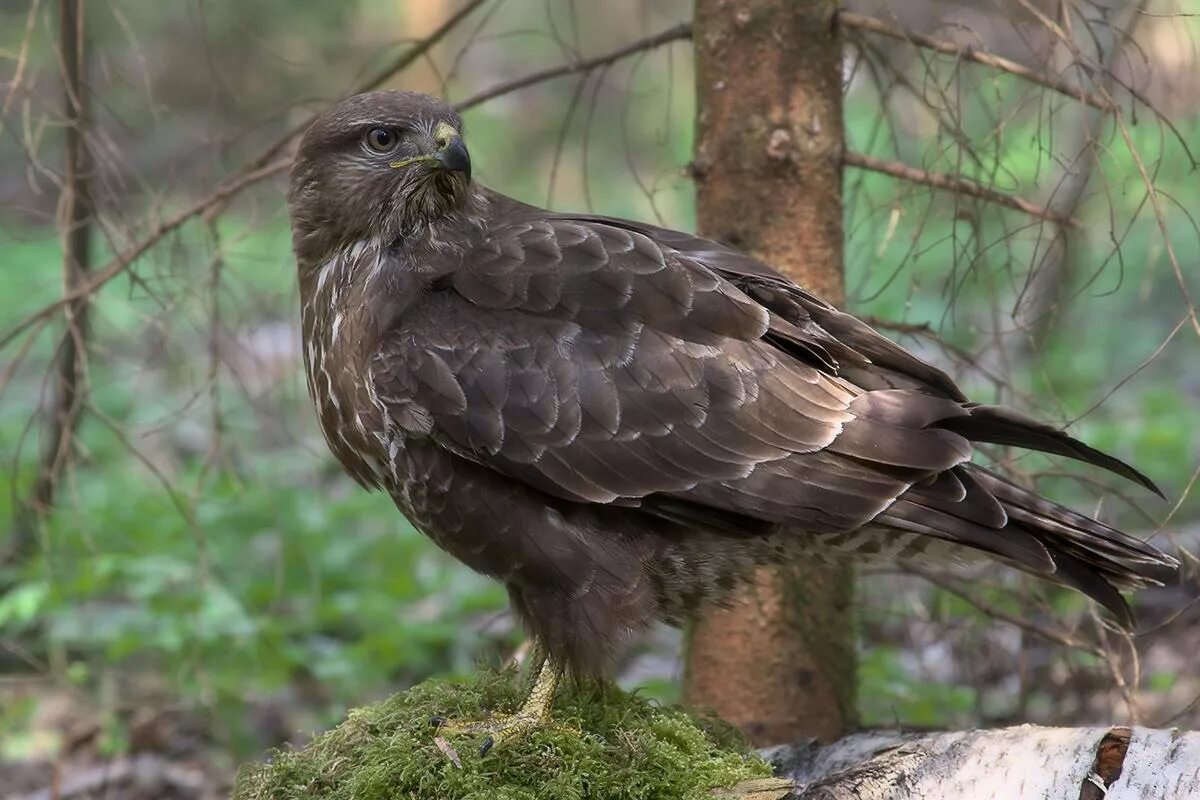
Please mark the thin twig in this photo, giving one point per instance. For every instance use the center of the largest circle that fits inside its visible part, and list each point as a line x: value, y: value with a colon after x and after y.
x: 118, y: 264
x: 1046, y: 283
x: 257, y: 168
x: 1152, y: 193
x: 957, y: 184
x: 217, y: 268
x: 22, y: 60
x: 867, y: 23
x: 75, y: 224
x: 1049, y: 634
x: 679, y: 32
x: 398, y: 64
x: 244, y: 177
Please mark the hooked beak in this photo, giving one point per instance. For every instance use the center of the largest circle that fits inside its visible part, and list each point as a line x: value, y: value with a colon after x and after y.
x: 451, y: 151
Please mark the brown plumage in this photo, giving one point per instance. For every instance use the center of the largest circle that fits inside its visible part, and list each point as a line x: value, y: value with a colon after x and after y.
x: 620, y: 421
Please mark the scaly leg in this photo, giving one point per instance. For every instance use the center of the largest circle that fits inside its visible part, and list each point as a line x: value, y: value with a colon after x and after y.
x: 533, y: 714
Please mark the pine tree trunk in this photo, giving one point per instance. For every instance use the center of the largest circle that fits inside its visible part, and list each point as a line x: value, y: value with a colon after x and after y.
x: 780, y: 665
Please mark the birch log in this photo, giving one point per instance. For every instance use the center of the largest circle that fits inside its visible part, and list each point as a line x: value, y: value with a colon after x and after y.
x: 1020, y: 763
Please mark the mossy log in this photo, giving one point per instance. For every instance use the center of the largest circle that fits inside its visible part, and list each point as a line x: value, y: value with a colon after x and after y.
x: 605, y: 744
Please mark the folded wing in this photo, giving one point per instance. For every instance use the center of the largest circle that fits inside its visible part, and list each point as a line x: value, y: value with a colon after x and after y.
x: 601, y: 361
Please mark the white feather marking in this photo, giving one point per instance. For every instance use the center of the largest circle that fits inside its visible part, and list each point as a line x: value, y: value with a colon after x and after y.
x: 337, y: 324
x: 323, y: 274
x: 332, y: 395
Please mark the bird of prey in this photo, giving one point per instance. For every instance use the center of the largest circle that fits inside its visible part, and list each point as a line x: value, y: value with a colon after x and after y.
x: 620, y: 421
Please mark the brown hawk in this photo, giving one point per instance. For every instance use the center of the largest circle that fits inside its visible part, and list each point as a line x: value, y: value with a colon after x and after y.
x: 619, y: 421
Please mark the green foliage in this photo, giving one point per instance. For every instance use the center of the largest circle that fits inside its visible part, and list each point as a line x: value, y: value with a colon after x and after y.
x: 273, y: 587
x: 605, y: 744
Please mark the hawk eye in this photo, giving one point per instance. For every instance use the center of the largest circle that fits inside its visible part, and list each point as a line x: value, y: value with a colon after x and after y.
x: 381, y: 140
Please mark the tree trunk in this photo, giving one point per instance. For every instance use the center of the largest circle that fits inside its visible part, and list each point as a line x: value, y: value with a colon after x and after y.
x: 1024, y: 762
x: 780, y: 664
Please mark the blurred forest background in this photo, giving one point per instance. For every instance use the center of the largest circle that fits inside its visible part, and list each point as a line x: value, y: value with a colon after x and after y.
x: 193, y: 574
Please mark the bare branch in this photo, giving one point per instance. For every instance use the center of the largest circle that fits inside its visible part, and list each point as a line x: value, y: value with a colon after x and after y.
x: 1046, y: 286
x: 1049, y: 634
x: 75, y: 226
x: 246, y: 177
x: 22, y: 60
x: 682, y: 31
x: 400, y: 63
x: 1160, y: 218
x: 1152, y: 191
x: 255, y: 170
x: 117, y: 265
x: 957, y: 184
x: 867, y: 23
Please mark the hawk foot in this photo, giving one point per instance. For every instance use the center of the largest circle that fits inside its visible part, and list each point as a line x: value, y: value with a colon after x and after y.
x: 500, y: 728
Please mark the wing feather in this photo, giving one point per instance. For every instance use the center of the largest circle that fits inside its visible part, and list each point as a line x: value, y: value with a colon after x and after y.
x: 602, y: 361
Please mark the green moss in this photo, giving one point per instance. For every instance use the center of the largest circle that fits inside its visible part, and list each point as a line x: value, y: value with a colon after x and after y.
x: 608, y: 744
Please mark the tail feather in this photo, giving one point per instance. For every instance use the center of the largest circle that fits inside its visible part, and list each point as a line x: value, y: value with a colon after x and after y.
x: 1003, y: 426
x: 1017, y: 547
x: 1081, y: 575
x: 1129, y: 562
x: 1035, y: 535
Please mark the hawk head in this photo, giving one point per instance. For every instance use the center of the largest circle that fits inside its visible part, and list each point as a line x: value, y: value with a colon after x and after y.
x: 376, y: 166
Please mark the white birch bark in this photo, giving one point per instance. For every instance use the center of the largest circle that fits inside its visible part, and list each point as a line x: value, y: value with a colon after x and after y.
x: 1020, y: 763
